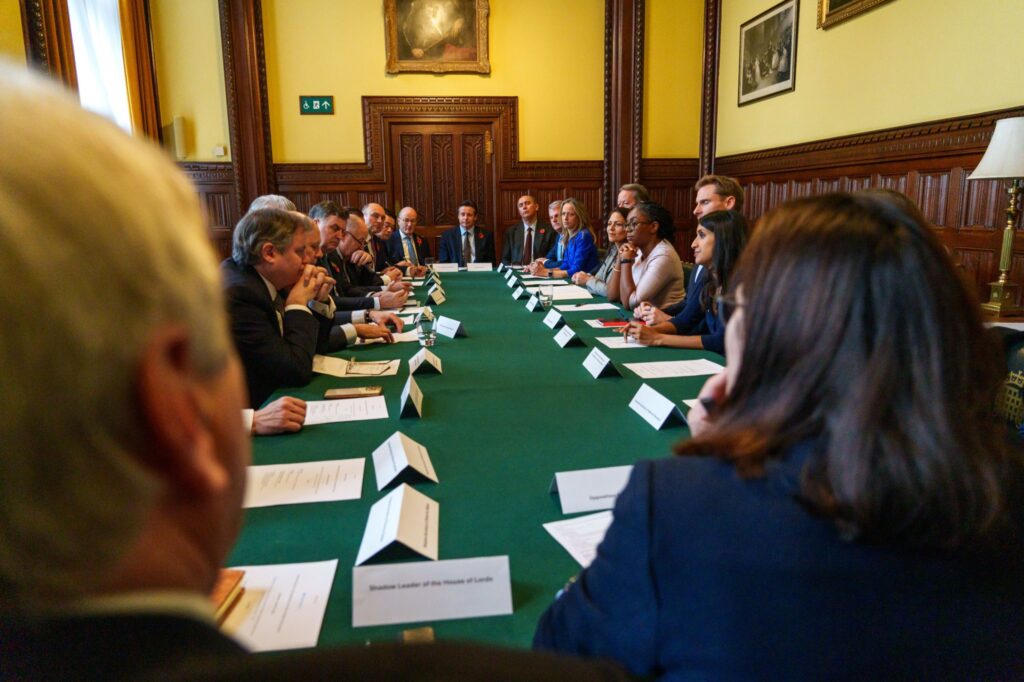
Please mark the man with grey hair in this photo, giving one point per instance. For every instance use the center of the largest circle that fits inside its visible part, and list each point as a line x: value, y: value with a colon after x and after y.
x: 124, y: 462
x: 271, y: 201
x: 631, y: 194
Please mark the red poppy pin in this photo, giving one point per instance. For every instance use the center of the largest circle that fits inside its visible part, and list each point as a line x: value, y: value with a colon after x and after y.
x: 541, y: 231
x: 419, y: 240
x: 479, y: 235
x: 335, y: 266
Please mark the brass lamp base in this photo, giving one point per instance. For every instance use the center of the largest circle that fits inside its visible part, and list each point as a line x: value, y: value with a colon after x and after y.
x: 1002, y: 299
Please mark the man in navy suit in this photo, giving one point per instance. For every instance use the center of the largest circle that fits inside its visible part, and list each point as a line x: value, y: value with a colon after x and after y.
x: 467, y: 243
x: 408, y: 249
x: 530, y: 239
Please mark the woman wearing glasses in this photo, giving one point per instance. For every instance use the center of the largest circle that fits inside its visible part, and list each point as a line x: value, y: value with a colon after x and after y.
x: 579, y: 252
x: 720, y: 239
x: 598, y: 282
x: 849, y: 504
x: 649, y: 268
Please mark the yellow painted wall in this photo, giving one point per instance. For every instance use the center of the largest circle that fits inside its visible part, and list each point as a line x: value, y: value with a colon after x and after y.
x: 190, y: 73
x: 673, y: 56
x: 12, y: 44
x: 904, y: 62
x: 549, y: 53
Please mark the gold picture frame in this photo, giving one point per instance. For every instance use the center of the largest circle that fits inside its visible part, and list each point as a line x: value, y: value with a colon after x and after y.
x: 832, y: 12
x: 436, y: 36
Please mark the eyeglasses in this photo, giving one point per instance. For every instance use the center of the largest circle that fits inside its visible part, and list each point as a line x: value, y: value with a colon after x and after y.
x: 727, y: 305
x: 633, y: 224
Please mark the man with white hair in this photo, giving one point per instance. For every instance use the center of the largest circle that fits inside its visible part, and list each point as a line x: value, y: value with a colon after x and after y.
x: 124, y: 462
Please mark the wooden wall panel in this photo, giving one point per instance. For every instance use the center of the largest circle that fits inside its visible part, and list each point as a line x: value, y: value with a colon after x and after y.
x: 929, y: 162
x: 215, y: 186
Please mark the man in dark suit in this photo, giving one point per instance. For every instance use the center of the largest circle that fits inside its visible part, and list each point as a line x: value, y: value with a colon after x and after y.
x: 467, y: 243
x: 408, y: 249
x: 360, y: 280
x: 105, y: 568
x: 530, y: 239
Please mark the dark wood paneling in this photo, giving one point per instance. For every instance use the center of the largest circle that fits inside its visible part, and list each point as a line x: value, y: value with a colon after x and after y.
x: 709, y: 87
x: 46, y: 29
x: 623, y: 95
x: 670, y: 182
x: 214, y: 183
x: 929, y: 162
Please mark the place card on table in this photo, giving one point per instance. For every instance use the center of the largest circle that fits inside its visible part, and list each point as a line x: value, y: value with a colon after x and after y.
x: 435, y: 287
x: 446, y: 267
x: 567, y: 337
x: 511, y: 280
x: 581, y: 535
x: 303, y: 482
x: 554, y: 319
x: 533, y: 305
x: 586, y: 490
x: 449, y: 327
x: 600, y: 365
x: 518, y: 293
x: 436, y: 297
x: 656, y: 409
x: 399, y: 459
x: 425, y: 360
x: 440, y: 590
x: 348, y: 410
x: 435, y: 278
x: 282, y: 606
x: 502, y: 267
x: 402, y: 522
x: 411, y: 404
x: 674, y: 368
x: 479, y: 267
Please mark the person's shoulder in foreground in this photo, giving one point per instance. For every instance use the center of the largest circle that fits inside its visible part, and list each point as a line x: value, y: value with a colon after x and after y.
x: 122, y: 500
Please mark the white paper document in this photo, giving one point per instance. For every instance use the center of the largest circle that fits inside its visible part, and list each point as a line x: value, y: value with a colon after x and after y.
x: 564, y: 293
x: 399, y: 454
x: 691, y: 403
x: 329, y: 481
x: 404, y: 517
x: 442, y: 590
x: 619, y: 342
x: 416, y: 282
x: 347, y: 410
x: 446, y: 267
x: 479, y: 267
x: 532, y: 282
x: 346, y: 369
x: 581, y: 535
x: 586, y: 490
x: 585, y: 307
x: 398, y: 337
x: 674, y: 368
x: 283, y: 605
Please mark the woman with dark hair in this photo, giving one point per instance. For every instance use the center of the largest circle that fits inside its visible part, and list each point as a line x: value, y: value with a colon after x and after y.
x: 849, y: 504
x: 721, y: 236
x: 578, y: 252
x: 597, y: 283
x: 649, y: 268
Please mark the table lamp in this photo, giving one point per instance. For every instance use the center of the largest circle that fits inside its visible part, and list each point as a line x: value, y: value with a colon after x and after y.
x: 1004, y: 160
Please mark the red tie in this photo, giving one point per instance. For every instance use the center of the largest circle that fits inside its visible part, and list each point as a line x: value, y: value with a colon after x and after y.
x: 528, y: 246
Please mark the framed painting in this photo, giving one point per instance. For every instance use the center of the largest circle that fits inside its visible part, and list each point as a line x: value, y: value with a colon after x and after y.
x: 768, y: 53
x: 436, y: 36
x: 832, y: 12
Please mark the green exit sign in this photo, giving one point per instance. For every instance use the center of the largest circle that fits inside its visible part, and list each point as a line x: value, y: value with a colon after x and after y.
x: 319, y: 104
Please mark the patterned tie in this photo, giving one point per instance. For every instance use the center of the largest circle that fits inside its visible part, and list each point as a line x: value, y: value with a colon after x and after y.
x: 528, y: 246
x: 467, y: 250
x: 410, y: 251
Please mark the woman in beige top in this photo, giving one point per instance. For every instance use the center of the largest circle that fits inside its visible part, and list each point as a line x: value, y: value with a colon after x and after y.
x: 655, y: 272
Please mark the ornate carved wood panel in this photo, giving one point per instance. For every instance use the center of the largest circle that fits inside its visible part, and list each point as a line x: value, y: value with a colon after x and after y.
x: 214, y: 183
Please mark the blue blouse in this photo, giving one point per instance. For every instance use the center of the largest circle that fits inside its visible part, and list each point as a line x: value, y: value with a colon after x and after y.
x: 580, y: 254
x: 692, y: 320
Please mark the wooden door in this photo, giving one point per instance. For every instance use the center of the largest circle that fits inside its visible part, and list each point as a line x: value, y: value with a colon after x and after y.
x: 436, y: 166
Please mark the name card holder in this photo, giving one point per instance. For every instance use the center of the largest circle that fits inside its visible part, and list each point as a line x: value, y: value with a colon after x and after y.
x: 435, y: 287
x: 401, y: 524
x: 599, y: 365
x: 479, y: 267
x: 400, y: 459
x: 446, y: 267
x: 425, y: 360
x: 446, y: 326
x: 533, y: 305
x: 554, y: 319
x: 511, y: 282
x: 501, y: 267
x: 656, y: 409
x: 437, y: 298
x: 411, y: 404
x: 567, y: 337
x: 518, y: 293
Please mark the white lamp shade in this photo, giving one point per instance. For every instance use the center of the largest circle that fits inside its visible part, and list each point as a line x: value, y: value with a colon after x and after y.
x: 1004, y: 157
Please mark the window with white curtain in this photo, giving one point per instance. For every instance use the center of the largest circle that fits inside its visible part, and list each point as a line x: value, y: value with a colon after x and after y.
x: 99, y: 58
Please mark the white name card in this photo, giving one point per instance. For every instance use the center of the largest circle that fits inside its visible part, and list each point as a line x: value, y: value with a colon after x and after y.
x: 599, y: 365
x: 656, y: 409
x: 501, y: 267
x: 479, y: 267
x: 554, y: 319
x: 446, y: 267
x: 400, y: 458
x: 425, y: 360
x: 437, y: 298
x: 533, y: 305
x: 435, y: 287
x: 567, y: 337
x: 449, y: 327
x: 511, y: 280
x: 590, y: 489
x: 404, y: 520
x: 511, y: 274
x: 441, y: 590
x: 412, y: 400
x: 518, y: 293
x: 435, y: 278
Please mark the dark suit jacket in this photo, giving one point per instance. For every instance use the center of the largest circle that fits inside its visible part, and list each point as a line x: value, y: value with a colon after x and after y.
x: 380, y: 253
x: 422, y: 247
x: 704, y: 575
x: 270, y: 359
x: 451, y: 246
x: 341, y: 301
x: 164, y: 647
x: 544, y: 237
x: 353, y: 280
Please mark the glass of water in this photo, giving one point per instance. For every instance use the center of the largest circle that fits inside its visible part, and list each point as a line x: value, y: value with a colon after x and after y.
x: 425, y: 332
x: 547, y: 296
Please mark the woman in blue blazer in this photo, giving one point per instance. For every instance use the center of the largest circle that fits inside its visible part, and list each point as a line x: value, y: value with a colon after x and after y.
x: 849, y: 505
x: 579, y: 252
x: 721, y: 236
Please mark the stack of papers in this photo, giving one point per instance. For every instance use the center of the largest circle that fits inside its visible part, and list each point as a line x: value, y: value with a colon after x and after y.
x: 581, y: 535
x: 674, y: 368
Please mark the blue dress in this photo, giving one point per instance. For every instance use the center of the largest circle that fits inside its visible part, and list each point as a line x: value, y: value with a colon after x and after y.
x: 692, y: 320
x: 580, y: 254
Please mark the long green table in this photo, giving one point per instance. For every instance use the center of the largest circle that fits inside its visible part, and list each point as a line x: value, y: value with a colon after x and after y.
x: 510, y: 410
